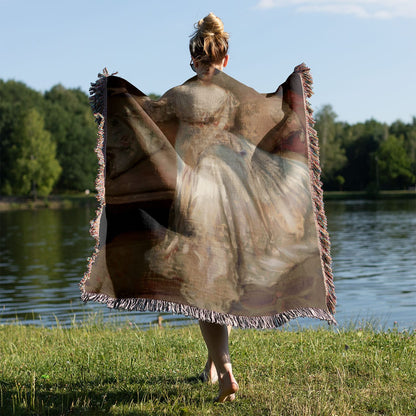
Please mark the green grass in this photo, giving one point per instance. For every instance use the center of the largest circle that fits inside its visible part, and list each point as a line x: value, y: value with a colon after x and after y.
x: 109, y: 369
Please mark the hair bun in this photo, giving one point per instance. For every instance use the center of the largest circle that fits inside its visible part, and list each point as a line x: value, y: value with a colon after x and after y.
x: 211, y: 25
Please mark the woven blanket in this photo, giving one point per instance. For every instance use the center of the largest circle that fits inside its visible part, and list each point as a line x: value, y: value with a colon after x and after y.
x: 210, y: 203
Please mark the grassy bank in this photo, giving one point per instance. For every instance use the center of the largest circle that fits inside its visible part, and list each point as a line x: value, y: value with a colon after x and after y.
x: 64, y: 201
x: 8, y: 203
x: 107, y: 370
x: 344, y: 195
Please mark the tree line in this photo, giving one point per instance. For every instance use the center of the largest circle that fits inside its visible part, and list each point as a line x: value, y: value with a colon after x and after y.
x: 47, y: 140
x: 47, y: 143
x: 367, y: 156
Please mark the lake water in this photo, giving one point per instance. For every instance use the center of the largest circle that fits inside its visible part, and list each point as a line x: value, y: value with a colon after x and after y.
x: 43, y: 257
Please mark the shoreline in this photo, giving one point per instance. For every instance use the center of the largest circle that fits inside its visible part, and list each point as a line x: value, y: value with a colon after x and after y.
x: 364, y: 195
x: 62, y: 201
x: 67, y: 201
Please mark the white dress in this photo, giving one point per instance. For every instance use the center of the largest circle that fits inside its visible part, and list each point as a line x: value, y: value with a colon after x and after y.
x: 242, y: 224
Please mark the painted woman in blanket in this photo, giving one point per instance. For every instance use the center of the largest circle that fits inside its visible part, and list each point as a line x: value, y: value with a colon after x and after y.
x: 213, y: 204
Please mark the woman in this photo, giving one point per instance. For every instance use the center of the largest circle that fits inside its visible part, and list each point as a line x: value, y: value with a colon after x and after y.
x: 208, y: 118
x: 213, y: 203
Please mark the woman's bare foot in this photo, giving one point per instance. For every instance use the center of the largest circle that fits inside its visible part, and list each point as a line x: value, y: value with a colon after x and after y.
x: 216, y: 339
x: 228, y: 388
x: 209, y: 374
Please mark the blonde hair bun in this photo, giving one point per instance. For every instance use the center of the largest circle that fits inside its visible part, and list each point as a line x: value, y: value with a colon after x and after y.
x: 209, y: 43
x: 211, y: 25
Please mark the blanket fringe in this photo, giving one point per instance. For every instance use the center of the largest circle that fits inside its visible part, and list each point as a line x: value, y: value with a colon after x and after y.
x: 245, y: 322
x: 316, y: 188
x: 98, y: 103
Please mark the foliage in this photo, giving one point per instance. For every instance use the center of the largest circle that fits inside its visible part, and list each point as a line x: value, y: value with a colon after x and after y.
x: 365, y: 156
x: 69, y: 119
x: 332, y: 154
x: 153, y: 96
x: 109, y: 369
x: 358, y: 157
x: 16, y: 99
x: 71, y: 132
x: 35, y: 166
x: 394, y: 163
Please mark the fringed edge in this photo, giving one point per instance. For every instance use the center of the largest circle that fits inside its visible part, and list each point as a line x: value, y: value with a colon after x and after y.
x: 98, y: 91
x: 316, y: 188
x: 245, y: 322
x: 98, y: 103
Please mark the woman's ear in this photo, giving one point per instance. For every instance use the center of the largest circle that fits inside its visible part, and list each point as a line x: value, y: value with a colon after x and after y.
x: 225, y: 61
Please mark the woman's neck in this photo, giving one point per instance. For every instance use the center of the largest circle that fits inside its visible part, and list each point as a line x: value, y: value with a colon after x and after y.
x: 206, y: 72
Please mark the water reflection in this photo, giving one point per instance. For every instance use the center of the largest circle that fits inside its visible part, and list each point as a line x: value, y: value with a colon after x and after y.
x: 374, y: 260
x: 43, y: 257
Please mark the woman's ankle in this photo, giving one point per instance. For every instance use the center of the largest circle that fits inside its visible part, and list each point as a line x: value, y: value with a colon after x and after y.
x: 227, y: 387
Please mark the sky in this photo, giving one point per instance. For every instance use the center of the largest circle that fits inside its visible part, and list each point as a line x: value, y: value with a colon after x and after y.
x: 362, y: 53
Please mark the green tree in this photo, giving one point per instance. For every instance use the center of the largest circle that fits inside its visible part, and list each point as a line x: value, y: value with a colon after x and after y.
x: 362, y: 141
x: 8, y: 117
x: 332, y: 154
x: 408, y: 133
x: 35, y: 168
x: 154, y: 96
x: 16, y: 98
x: 71, y: 123
x: 394, y: 164
x: 16, y: 92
